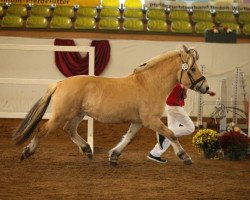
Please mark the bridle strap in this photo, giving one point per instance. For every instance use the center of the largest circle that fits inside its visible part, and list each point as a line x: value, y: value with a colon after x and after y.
x: 193, y: 82
x: 181, y: 75
x: 187, y: 68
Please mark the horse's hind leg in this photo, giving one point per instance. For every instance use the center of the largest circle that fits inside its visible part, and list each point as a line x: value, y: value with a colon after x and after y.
x: 126, y: 139
x: 71, y: 129
x: 48, y: 127
x: 29, y: 149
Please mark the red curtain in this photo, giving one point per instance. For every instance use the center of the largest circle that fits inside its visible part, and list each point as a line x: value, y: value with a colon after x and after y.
x: 72, y: 63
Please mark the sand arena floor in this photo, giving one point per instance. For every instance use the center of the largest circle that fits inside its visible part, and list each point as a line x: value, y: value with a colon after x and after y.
x: 59, y: 171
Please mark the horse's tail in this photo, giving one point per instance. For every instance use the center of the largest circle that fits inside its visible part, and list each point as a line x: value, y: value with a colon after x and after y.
x: 33, y: 117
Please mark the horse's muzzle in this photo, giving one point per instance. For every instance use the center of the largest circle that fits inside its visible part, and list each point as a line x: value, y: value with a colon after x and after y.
x: 202, y: 90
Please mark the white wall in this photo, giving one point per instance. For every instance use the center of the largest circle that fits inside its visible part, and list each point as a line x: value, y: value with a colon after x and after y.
x: 220, y: 61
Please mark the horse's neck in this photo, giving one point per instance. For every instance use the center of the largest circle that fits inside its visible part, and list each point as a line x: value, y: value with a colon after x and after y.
x: 163, y: 76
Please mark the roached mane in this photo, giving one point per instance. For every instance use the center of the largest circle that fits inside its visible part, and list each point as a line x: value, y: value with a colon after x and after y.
x: 152, y: 62
x: 166, y: 55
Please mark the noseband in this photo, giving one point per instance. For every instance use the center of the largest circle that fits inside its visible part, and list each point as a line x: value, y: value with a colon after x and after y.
x: 193, y: 82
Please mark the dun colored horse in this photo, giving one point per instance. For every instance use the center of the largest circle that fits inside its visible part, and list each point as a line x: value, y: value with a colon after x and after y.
x: 138, y: 98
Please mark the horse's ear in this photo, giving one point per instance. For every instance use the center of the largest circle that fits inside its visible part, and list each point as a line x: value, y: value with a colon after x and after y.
x: 186, y: 58
x: 194, y: 52
x: 184, y: 48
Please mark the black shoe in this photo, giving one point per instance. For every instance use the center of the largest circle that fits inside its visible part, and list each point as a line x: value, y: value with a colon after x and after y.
x: 156, y: 159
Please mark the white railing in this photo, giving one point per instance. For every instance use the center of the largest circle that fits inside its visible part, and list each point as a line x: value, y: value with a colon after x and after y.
x: 20, y: 81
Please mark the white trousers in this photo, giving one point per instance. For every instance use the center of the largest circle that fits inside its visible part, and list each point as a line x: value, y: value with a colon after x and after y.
x: 179, y: 122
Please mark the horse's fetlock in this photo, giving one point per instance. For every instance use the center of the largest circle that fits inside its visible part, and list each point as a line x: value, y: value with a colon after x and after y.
x: 181, y: 154
x: 113, y: 156
x: 88, y: 151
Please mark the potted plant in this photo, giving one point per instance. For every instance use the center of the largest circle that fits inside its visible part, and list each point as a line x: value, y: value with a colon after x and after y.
x: 207, y: 140
x: 220, y: 35
x: 234, y: 144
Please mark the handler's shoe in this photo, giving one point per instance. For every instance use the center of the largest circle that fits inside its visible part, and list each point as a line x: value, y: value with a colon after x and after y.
x: 156, y: 159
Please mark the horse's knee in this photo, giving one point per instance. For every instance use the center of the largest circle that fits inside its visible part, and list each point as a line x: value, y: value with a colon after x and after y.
x: 172, y: 136
x: 161, y: 128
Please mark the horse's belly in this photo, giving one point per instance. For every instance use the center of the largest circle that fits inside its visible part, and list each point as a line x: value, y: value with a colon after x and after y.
x: 114, y: 115
x: 111, y: 102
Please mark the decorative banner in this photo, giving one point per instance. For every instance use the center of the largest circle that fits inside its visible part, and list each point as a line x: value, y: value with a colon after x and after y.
x: 208, y: 4
x: 201, y: 6
x: 155, y: 4
x: 222, y: 6
x: 159, y: 4
x: 84, y: 3
x: 244, y: 7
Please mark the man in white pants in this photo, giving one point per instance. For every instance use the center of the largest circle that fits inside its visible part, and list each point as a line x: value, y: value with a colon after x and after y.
x: 178, y: 121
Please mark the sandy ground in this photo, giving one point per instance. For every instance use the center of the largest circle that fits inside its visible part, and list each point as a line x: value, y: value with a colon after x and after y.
x: 59, y: 171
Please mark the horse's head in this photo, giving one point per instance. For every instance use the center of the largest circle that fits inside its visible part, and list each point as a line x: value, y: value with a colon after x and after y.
x: 190, y: 74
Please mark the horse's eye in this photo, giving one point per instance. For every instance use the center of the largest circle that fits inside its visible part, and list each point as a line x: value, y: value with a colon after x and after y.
x: 193, y: 69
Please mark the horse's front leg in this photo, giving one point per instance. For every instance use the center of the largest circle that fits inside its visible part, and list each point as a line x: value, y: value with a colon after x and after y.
x: 126, y: 139
x: 158, y: 126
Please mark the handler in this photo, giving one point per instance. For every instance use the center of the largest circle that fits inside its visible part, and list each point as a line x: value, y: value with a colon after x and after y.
x: 178, y: 121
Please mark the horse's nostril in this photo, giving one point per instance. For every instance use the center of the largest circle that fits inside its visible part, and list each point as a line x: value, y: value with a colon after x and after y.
x: 207, y: 88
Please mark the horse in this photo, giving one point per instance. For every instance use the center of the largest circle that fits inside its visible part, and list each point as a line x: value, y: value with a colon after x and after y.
x: 138, y: 98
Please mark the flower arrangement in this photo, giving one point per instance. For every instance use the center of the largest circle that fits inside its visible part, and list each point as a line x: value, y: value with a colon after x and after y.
x: 208, y: 141
x: 220, y: 35
x: 220, y: 30
x: 234, y: 144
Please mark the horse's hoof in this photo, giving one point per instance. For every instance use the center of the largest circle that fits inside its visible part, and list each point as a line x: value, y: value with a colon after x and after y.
x: 188, y: 162
x: 26, y: 153
x: 90, y: 156
x: 22, y: 157
x: 113, y: 158
x: 113, y: 163
x: 185, y: 157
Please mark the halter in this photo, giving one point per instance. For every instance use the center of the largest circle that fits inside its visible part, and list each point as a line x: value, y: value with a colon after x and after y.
x: 184, y: 67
